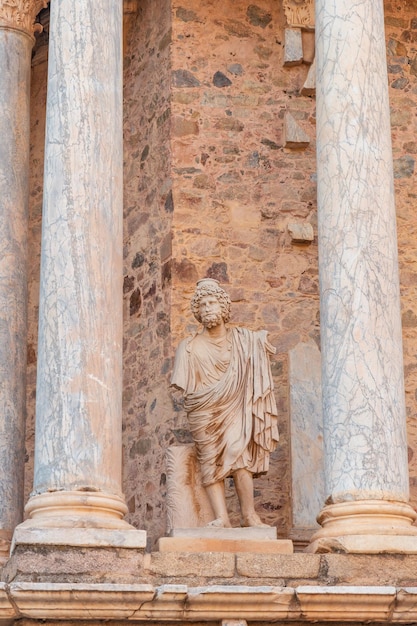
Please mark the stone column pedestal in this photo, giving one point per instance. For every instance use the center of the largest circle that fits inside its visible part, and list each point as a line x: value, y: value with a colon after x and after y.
x: 77, y: 478
x: 366, y: 468
x: 16, y: 42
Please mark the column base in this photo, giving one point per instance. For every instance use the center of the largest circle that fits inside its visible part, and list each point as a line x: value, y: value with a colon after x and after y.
x: 77, y: 518
x: 366, y: 527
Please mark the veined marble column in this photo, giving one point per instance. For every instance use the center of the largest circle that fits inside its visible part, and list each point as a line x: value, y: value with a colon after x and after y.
x: 16, y: 42
x: 77, y: 483
x: 366, y: 469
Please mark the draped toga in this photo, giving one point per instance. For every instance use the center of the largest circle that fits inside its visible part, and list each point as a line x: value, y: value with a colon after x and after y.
x: 230, y: 404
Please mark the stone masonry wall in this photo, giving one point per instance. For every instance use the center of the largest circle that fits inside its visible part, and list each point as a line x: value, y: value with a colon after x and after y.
x: 147, y: 262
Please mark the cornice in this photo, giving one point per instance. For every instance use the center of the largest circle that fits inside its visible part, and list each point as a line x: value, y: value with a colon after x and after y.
x: 179, y: 603
x: 21, y: 14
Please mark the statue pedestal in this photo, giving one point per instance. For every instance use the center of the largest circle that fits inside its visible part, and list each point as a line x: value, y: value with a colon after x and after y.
x: 256, y: 540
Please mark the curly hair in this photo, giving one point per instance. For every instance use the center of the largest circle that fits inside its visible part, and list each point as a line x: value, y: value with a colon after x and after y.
x: 211, y: 290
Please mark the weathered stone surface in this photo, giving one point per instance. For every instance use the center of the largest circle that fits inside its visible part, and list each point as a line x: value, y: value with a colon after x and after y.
x: 147, y: 412
x: 258, y: 16
x: 221, y: 80
x: 182, y: 127
x: 184, y: 78
x: 229, y: 123
x: 293, y: 52
x: 236, y: 69
x: 308, y: 39
x: 212, y: 564
x: 49, y: 563
x: 294, y: 136
x: 202, y: 544
x: 409, y: 319
x: 308, y: 477
x: 404, y: 167
x: 296, y: 566
x: 363, y: 570
x: 309, y: 87
x: 236, y: 28
x: 301, y: 232
x: 186, y: 15
x: 400, y: 83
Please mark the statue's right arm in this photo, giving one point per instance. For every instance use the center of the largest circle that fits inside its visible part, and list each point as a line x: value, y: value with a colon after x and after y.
x: 180, y: 373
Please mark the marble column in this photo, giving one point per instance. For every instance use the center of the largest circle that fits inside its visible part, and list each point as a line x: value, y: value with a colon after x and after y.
x: 77, y: 477
x: 16, y: 42
x: 366, y: 470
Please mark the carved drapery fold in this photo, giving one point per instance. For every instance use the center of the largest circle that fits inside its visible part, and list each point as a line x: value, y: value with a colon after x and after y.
x: 21, y: 14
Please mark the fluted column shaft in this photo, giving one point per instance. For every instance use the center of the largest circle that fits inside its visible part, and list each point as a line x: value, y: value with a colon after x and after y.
x: 16, y: 41
x: 79, y: 383
x: 363, y: 391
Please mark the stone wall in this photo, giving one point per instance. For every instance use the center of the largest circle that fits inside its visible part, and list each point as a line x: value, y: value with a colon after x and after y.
x: 147, y: 264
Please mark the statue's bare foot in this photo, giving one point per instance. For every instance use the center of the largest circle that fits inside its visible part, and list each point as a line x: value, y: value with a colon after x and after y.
x: 219, y: 523
x: 254, y: 521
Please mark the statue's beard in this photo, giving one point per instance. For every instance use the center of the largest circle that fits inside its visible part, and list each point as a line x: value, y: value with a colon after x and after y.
x: 211, y: 319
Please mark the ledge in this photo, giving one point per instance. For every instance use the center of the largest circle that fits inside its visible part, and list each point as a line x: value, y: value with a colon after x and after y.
x: 136, y: 603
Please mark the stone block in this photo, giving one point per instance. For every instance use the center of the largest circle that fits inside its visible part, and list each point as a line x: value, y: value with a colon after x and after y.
x: 77, y: 564
x: 214, y: 564
x: 306, y: 423
x: 309, y: 87
x: 79, y: 537
x: 308, y: 38
x: 265, y: 603
x: 301, y: 232
x: 188, y: 505
x: 76, y: 602
x: 202, y: 544
x: 295, y: 566
x: 294, y: 136
x: 384, y: 569
x: 261, y: 533
x: 381, y: 540
x: 360, y: 604
x: 293, y: 51
x: 182, y: 127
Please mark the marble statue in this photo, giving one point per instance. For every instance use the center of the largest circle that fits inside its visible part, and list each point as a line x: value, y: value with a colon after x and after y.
x: 225, y: 375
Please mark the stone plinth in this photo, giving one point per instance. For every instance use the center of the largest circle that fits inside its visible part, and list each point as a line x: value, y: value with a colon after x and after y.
x: 260, y: 540
x: 212, y: 544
